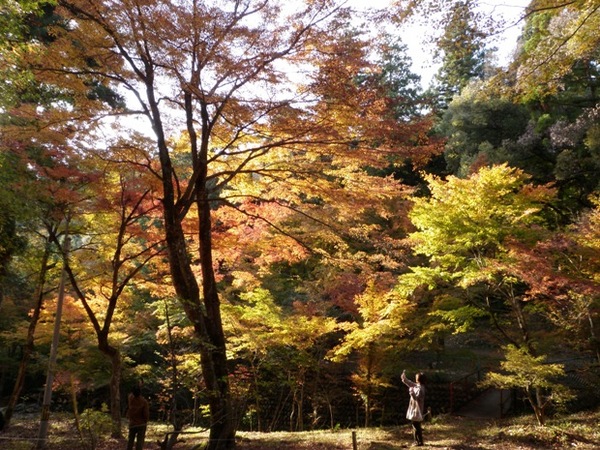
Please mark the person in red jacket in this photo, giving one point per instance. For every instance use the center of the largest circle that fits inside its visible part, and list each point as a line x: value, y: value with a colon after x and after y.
x: 138, y: 411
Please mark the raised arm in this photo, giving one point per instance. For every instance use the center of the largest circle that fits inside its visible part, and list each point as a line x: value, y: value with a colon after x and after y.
x: 406, y: 381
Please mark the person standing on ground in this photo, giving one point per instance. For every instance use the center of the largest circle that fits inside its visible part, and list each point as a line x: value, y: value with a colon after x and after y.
x: 416, y: 406
x: 138, y: 412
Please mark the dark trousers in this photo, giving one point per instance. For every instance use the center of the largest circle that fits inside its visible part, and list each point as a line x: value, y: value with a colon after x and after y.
x: 417, y: 432
x: 138, y: 432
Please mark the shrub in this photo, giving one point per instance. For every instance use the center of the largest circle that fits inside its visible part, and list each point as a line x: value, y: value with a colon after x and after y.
x: 94, y: 425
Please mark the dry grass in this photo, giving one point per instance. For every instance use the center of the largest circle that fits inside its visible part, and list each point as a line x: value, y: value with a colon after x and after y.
x: 578, y: 431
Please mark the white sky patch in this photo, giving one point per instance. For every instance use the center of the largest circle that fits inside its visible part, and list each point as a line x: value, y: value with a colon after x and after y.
x: 417, y: 36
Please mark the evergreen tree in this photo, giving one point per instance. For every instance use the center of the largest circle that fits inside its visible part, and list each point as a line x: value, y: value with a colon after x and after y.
x: 461, y: 48
x: 401, y: 85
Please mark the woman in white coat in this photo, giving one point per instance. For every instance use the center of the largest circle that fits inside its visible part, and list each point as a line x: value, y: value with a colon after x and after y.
x: 416, y: 406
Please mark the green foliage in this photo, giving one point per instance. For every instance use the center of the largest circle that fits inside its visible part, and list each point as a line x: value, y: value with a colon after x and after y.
x: 457, y: 318
x: 532, y: 374
x: 474, y: 233
x: 95, y: 425
x: 465, y: 222
x: 555, y: 40
x: 523, y: 370
x: 24, y: 26
x: 378, y: 328
x: 477, y: 124
x: 264, y: 325
x: 278, y: 349
x: 420, y: 276
x: 463, y: 52
x: 18, y: 211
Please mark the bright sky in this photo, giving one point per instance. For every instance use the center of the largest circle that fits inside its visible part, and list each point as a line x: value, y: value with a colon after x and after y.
x: 414, y: 36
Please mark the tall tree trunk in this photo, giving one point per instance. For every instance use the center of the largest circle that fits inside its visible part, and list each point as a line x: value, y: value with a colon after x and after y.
x: 206, y: 319
x: 537, y: 402
x: 29, y: 341
x: 369, y: 385
x: 521, y: 321
x: 114, y: 356
x: 300, y: 400
x: 76, y: 408
x: 222, y: 431
x: 203, y: 311
x: 45, y: 416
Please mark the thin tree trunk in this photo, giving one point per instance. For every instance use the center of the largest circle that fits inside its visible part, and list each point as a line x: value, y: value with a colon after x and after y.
x: 299, y: 401
x: 369, y: 391
x: 594, y: 339
x: 521, y: 321
x: 256, y: 389
x: 540, y: 407
x: 177, y: 424
x: 534, y: 401
x: 29, y: 341
x: 45, y: 418
x: 75, y: 408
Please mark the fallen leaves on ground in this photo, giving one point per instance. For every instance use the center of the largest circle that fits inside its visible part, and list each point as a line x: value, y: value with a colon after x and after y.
x: 577, y: 431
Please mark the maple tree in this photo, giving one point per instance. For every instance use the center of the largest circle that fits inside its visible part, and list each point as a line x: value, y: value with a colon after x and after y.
x: 45, y: 265
x: 380, y: 328
x: 280, y: 142
x: 485, y: 236
x: 471, y: 242
x: 535, y: 376
x: 557, y: 37
x: 565, y: 281
x: 288, y: 342
x: 47, y: 177
x: 215, y: 86
x: 123, y: 207
x: 38, y: 133
x: 588, y: 234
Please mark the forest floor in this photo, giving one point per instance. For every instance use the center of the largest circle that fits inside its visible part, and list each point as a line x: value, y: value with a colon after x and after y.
x: 576, y: 431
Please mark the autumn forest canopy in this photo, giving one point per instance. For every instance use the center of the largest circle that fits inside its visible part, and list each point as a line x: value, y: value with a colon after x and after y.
x: 261, y: 214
